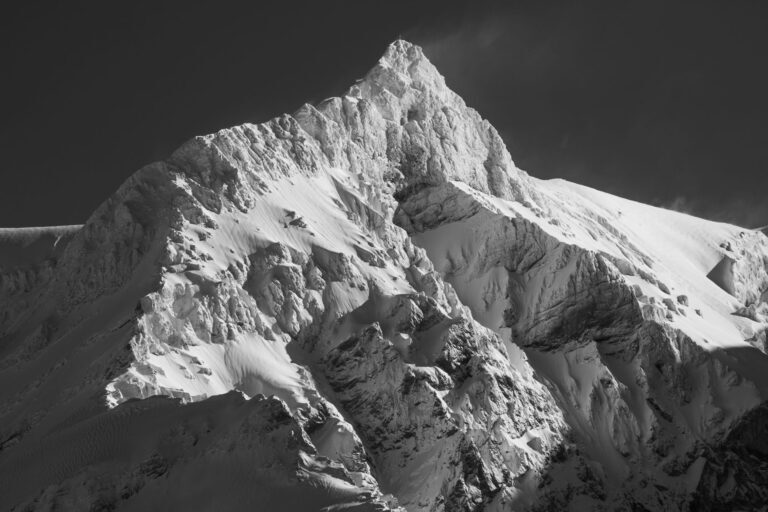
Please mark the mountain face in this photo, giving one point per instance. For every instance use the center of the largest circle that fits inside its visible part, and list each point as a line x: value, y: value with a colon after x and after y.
x: 367, y: 306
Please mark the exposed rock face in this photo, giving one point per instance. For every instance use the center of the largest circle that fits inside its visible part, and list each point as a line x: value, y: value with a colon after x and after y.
x: 435, y: 329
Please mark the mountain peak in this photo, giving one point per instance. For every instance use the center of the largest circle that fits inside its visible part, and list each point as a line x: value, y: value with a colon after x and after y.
x: 403, y: 66
x: 402, y: 54
x: 369, y: 291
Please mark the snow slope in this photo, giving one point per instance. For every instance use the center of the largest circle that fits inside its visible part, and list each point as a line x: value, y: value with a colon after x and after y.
x: 616, y: 308
x: 366, y: 305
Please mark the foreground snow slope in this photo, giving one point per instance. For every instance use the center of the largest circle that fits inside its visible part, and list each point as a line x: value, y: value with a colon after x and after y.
x: 433, y: 328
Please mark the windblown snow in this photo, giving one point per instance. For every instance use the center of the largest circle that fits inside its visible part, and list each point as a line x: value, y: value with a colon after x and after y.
x: 367, y: 306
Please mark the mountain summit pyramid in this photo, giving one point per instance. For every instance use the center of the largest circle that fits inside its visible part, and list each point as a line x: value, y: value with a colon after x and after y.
x: 366, y: 306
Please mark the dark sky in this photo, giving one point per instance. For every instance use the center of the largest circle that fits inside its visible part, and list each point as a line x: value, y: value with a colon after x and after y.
x: 660, y: 101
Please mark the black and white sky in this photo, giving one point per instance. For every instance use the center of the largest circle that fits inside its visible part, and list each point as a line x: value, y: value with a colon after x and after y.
x: 664, y: 102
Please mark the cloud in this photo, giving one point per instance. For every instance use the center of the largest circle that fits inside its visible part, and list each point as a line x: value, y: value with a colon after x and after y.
x: 526, y: 43
x: 468, y: 35
x: 745, y: 212
x: 680, y: 204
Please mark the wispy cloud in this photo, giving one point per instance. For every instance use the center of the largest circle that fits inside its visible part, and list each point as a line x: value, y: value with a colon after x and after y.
x: 749, y: 213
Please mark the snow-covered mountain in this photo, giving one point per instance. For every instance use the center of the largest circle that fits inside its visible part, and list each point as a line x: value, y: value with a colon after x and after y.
x: 366, y: 306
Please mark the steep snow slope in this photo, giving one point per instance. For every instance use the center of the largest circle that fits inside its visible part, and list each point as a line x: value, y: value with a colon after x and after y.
x: 27, y: 259
x: 142, y: 456
x: 434, y: 328
x: 22, y: 247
